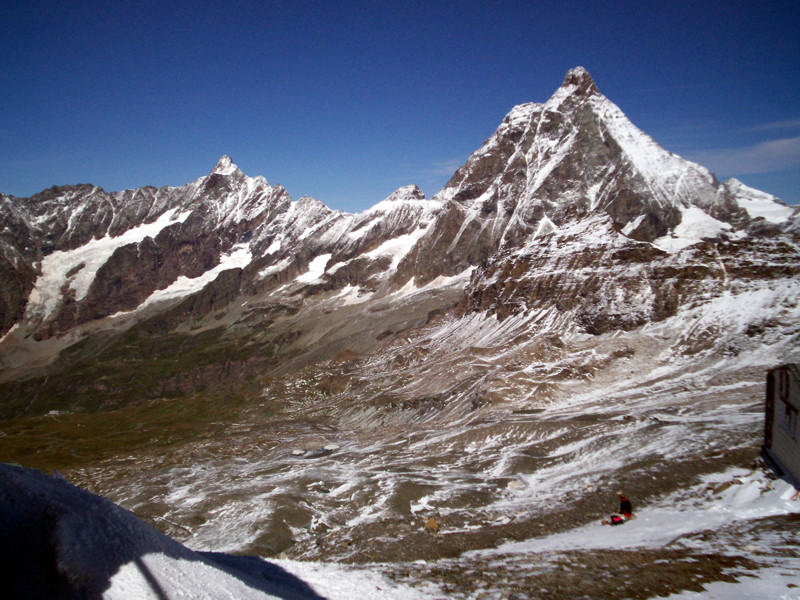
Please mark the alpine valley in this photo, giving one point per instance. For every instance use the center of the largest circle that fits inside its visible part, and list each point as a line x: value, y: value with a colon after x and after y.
x: 445, y: 391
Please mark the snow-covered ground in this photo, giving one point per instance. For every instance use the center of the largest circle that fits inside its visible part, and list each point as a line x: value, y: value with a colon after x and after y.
x: 747, y: 495
x: 160, y: 576
x: 769, y: 582
x: 694, y: 227
x: 676, y: 520
x: 61, y: 541
x: 633, y: 407
x: 644, y: 415
x: 100, y: 547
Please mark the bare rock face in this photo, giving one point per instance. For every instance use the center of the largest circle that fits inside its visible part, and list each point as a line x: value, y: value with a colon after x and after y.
x: 16, y: 283
x: 620, y: 286
x: 18, y: 252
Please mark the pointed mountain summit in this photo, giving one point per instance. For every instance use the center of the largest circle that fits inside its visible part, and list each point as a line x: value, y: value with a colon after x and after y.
x: 573, y: 283
x: 580, y: 79
x: 225, y: 166
x: 578, y: 154
x: 407, y: 192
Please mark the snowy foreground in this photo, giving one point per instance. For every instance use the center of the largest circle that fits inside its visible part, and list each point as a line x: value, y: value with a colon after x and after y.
x: 720, y: 501
x: 61, y: 541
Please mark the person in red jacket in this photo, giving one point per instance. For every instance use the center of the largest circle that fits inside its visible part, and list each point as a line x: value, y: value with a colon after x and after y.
x: 625, y: 508
x: 625, y: 511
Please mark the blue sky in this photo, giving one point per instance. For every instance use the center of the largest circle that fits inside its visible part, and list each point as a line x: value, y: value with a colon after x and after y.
x: 347, y: 101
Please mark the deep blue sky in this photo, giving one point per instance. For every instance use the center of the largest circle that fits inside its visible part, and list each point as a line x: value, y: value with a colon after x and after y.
x: 347, y: 101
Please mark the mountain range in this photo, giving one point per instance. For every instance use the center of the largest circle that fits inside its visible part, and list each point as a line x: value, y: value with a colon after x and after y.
x: 574, y: 293
x: 568, y: 180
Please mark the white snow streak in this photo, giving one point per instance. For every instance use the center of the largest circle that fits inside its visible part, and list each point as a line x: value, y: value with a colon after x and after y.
x: 239, y: 257
x: 315, y: 269
x: 397, y: 247
x: 47, y: 290
x: 632, y: 225
x: 694, y: 227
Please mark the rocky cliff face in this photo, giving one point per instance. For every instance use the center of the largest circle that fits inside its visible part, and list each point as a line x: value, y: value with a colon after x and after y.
x: 577, y: 155
x: 567, y: 205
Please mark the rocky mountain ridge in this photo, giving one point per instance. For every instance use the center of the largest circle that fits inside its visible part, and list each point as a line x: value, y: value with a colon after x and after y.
x: 571, y: 177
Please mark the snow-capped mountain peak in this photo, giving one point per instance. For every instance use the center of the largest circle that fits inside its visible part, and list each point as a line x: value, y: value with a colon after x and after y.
x: 225, y: 166
x: 408, y: 195
x: 578, y: 153
x: 580, y: 81
x: 758, y: 203
x: 407, y: 192
x: 575, y: 293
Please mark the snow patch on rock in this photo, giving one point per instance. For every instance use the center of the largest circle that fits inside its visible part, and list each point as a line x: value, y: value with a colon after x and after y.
x: 758, y: 203
x: 316, y: 268
x: 352, y: 295
x: 694, y: 227
x: 632, y: 225
x: 273, y: 247
x: 276, y: 268
x: 397, y: 247
x: 545, y: 227
x: 225, y: 166
x: 77, y: 268
x: 237, y: 258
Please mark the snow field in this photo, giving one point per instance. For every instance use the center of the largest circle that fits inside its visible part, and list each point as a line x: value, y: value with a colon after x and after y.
x: 237, y: 258
x: 156, y: 576
x: 82, y: 264
x: 679, y: 514
x: 315, y: 269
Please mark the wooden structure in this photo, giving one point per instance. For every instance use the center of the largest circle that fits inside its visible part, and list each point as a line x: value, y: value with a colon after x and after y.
x: 782, y: 424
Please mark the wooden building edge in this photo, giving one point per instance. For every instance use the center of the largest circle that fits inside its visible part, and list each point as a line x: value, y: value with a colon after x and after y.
x: 781, y: 427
